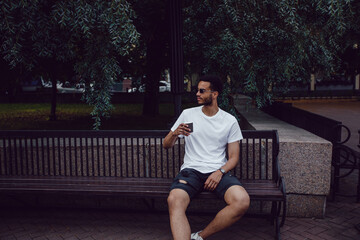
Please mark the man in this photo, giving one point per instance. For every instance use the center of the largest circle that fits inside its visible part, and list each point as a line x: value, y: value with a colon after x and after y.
x: 205, y: 165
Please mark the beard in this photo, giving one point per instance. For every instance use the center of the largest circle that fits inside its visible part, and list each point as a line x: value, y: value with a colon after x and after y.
x: 207, y: 101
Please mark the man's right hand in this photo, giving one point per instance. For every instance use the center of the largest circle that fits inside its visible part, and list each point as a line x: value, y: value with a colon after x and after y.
x: 182, y: 129
x: 171, y: 138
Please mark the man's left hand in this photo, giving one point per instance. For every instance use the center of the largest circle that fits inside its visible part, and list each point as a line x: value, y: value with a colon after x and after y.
x: 213, y: 181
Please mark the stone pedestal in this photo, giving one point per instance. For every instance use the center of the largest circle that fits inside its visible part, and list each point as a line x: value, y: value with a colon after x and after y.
x: 305, y: 162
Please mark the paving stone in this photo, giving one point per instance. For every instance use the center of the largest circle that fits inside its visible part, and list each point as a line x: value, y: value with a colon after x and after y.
x: 352, y: 233
x: 87, y: 238
x: 327, y: 236
x: 97, y: 224
x: 316, y: 230
x: 40, y: 238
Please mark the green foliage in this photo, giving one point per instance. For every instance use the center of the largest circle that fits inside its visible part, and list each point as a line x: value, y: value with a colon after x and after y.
x: 260, y: 45
x: 92, y: 34
x: 226, y: 102
x: 264, y: 44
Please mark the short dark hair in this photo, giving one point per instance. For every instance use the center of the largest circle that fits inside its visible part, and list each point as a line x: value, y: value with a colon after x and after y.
x: 215, y: 82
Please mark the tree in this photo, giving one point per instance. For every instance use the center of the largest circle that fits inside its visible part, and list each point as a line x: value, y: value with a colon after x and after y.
x: 259, y: 45
x: 263, y: 45
x: 152, y: 22
x: 89, y: 34
x: 349, y: 51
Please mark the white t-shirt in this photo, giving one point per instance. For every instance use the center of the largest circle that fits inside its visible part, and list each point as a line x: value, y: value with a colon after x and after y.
x: 205, y: 148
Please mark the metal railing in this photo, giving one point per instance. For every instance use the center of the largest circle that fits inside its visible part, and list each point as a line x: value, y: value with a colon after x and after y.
x: 345, y: 161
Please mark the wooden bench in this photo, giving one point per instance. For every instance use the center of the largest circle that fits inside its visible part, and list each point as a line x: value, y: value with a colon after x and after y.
x: 128, y: 164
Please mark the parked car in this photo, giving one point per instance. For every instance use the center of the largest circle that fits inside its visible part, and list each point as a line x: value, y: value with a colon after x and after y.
x: 117, y: 87
x: 69, y: 88
x: 163, y: 87
x: 33, y: 85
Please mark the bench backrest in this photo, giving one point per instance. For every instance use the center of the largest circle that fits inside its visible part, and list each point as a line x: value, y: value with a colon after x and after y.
x: 137, y: 153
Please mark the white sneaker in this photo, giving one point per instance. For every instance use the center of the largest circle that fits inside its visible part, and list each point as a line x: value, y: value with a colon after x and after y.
x: 195, y: 236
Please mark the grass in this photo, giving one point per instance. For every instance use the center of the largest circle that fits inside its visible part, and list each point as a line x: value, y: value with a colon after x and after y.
x: 77, y: 117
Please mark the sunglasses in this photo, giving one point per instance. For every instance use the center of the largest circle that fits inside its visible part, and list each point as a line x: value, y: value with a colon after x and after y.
x: 201, y: 90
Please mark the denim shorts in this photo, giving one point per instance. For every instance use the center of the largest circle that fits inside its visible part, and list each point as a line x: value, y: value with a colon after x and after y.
x: 195, y: 180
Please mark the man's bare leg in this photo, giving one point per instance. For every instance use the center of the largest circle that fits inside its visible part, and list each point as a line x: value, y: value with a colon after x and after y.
x: 238, y: 202
x: 178, y: 201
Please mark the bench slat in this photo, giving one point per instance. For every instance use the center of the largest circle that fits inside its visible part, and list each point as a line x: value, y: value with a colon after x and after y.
x: 155, y: 187
x: 103, y: 181
x: 255, y: 194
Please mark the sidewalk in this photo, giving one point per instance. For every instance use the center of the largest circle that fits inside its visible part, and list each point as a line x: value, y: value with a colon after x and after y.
x: 347, y: 112
x: 97, y: 224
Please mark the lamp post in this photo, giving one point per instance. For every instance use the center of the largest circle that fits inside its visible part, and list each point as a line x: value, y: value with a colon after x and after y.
x: 176, y: 51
